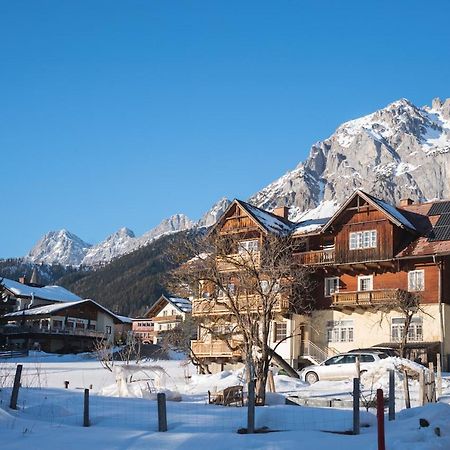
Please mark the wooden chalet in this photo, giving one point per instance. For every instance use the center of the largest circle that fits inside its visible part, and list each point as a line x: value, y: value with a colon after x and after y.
x: 367, y: 257
x: 68, y: 327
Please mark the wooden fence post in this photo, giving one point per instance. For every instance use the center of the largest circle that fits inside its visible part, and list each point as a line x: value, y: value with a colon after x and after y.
x: 391, y: 394
x: 380, y: 419
x: 406, y: 390
x: 251, y: 407
x: 162, y: 413
x: 356, y: 413
x: 86, y: 422
x: 439, y: 376
x: 421, y: 388
x: 16, y: 386
x: 271, y: 381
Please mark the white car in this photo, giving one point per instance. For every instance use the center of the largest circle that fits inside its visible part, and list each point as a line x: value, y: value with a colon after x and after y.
x: 341, y: 367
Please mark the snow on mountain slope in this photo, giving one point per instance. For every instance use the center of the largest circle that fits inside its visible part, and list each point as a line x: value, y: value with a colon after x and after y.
x: 396, y: 152
x: 59, y: 247
x: 118, y: 243
x: 399, y: 151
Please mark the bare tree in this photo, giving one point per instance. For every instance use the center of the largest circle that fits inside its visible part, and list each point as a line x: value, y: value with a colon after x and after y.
x: 180, y: 338
x: 108, y: 354
x: 241, y: 290
x: 408, y: 304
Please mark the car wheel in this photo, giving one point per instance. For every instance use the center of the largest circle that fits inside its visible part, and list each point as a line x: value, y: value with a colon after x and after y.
x: 311, y: 377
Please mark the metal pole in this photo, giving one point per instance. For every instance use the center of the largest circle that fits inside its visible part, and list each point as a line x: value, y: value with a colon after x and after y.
x: 391, y: 394
x: 380, y: 419
x: 16, y: 386
x: 251, y: 407
x: 356, y: 394
x: 86, y: 422
x: 162, y: 414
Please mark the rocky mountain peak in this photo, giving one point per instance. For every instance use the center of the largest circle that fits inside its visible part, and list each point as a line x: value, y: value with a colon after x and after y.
x: 59, y: 247
x: 398, y: 151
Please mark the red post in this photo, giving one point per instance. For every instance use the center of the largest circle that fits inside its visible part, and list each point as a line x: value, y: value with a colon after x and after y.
x: 380, y: 419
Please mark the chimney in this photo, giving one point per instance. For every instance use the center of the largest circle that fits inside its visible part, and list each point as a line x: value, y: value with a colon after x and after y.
x: 406, y: 202
x: 23, y: 280
x: 281, y: 211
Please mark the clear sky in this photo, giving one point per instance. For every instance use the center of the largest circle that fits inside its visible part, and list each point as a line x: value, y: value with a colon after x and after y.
x: 122, y: 113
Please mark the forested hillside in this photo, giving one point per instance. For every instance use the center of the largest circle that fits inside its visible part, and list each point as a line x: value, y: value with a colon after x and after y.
x: 133, y: 282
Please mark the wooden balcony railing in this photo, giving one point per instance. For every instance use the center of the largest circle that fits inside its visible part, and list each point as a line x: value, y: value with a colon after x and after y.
x: 316, y: 257
x: 172, y: 318
x: 251, y: 303
x: 215, y: 348
x: 238, y: 261
x: 62, y: 331
x: 366, y: 298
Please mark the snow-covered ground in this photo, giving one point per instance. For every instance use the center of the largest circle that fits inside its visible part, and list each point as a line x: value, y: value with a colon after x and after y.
x: 50, y: 417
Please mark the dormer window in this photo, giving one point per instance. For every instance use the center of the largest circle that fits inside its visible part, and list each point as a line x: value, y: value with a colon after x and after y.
x: 250, y: 246
x: 363, y: 239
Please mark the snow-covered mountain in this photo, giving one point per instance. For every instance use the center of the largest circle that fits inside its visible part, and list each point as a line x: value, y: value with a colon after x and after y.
x: 118, y: 243
x: 59, y: 247
x: 63, y: 247
x: 210, y: 218
x: 397, y: 152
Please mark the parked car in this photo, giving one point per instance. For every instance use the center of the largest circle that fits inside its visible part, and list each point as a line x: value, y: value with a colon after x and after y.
x: 388, y: 350
x: 341, y: 367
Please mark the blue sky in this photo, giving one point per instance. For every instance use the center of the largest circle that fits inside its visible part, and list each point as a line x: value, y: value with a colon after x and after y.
x: 122, y: 113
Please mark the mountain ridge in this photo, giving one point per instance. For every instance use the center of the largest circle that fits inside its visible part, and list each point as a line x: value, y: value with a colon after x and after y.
x: 398, y: 151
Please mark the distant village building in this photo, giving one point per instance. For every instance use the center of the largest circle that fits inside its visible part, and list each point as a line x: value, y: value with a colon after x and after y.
x: 52, y: 319
x: 164, y: 315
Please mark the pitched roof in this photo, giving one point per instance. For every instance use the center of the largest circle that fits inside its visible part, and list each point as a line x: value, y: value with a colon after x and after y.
x: 51, y: 293
x: 56, y: 307
x: 182, y: 304
x: 394, y: 214
x: 267, y: 220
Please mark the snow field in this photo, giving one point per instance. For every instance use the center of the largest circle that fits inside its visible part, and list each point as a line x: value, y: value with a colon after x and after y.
x: 50, y: 417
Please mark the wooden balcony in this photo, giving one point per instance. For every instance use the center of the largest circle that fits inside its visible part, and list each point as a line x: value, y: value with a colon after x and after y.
x: 316, y: 257
x: 203, y: 307
x: 366, y: 298
x: 215, y: 348
x: 238, y: 261
x: 166, y: 319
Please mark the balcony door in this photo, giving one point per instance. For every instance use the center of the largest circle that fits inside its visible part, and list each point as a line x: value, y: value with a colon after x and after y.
x: 365, y: 286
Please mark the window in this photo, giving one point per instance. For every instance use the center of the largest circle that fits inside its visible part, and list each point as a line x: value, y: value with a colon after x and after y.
x: 248, y: 246
x: 165, y: 313
x: 331, y: 286
x: 366, y: 358
x: 363, y: 239
x: 264, y: 286
x: 416, y: 280
x: 365, y: 283
x: 108, y: 329
x: 279, y: 331
x: 415, y: 332
x: 340, y: 331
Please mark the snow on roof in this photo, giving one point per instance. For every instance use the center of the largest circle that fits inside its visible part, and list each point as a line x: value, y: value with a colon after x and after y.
x: 51, y: 309
x: 308, y: 226
x: 183, y: 304
x: 52, y: 293
x: 393, y: 211
x: 42, y: 310
x: 268, y: 220
x: 124, y: 319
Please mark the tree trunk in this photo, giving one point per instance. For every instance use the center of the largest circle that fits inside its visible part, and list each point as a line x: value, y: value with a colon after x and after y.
x: 283, y: 364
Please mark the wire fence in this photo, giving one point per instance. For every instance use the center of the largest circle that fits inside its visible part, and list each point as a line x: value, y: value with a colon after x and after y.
x: 190, y: 413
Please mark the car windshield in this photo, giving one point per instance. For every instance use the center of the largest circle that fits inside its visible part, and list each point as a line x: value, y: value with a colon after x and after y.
x: 340, y: 359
